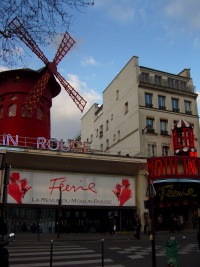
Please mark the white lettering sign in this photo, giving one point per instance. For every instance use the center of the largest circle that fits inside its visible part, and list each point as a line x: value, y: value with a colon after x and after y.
x: 49, y: 144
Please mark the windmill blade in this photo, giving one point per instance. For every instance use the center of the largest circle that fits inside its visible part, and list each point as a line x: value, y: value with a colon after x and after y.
x: 79, y: 101
x: 65, y: 45
x: 33, y: 97
x: 16, y: 26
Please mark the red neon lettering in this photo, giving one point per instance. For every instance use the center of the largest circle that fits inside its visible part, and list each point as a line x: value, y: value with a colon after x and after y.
x: 59, y: 183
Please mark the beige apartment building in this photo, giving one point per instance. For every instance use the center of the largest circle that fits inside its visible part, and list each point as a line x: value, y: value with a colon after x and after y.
x: 140, y: 107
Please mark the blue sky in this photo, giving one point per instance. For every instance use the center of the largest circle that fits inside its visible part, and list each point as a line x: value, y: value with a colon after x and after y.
x: 165, y: 35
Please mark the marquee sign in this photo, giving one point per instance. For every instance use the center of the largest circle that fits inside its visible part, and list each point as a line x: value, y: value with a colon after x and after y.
x: 46, y: 144
x: 46, y: 188
x: 173, y: 167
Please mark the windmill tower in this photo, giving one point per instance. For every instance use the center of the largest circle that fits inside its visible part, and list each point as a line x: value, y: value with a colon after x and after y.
x: 14, y: 118
x: 26, y: 95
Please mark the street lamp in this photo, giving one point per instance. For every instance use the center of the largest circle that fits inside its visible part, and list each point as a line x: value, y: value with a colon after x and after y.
x: 59, y: 211
x: 151, y: 192
x: 4, y: 182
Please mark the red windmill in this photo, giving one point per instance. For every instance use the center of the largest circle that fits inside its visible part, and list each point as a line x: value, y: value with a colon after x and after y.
x: 33, y: 97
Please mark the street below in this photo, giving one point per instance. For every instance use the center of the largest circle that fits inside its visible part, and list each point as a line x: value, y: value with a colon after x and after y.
x: 102, y: 252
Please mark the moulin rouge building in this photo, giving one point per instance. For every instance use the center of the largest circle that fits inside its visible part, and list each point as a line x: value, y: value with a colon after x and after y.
x: 46, y: 181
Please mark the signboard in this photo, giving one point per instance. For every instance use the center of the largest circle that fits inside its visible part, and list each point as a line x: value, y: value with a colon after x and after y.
x: 176, y: 191
x: 173, y: 167
x: 29, y: 187
x: 46, y: 144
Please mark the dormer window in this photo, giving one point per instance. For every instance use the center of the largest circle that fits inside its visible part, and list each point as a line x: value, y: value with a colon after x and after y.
x: 25, y: 113
x: 12, y: 110
x: 39, y: 114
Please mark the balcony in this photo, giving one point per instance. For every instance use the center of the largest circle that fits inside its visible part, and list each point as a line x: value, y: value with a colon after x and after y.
x: 162, y: 107
x: 189, y: 112
x: 163, y: 83
x: 175, y: 110
x: 150, y: 130
x: 163, y: 132
x: 148, y: 105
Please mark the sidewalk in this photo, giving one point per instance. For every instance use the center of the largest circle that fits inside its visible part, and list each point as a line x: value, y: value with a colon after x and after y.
x: 35, y: 237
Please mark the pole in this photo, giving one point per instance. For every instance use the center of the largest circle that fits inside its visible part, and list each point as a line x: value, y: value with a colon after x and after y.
x: 38, y: 225
x: 51, y: 254
x: 102, y: 252
x: 59, y: 211
x: 151, y: 193
x: 5, y: 194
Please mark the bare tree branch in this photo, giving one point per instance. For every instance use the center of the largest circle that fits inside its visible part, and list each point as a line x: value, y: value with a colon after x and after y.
x: 43, y: 19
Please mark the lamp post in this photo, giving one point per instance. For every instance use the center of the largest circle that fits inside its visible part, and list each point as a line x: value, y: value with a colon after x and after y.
x: 151, y: 194
x: 59, y: 211
x: 5, y: 181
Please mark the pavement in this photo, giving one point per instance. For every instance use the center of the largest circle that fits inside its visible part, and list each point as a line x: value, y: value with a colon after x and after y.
x: 123, y: 235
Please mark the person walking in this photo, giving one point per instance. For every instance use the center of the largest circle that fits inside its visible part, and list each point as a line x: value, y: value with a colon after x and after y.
x: 147, y: 224
x: 138, y: 227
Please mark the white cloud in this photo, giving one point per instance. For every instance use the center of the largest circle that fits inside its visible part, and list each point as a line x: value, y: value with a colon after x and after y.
x: 121, y: 11
x: 65, y: 115
x: 2, y: 68
x: 197, y: 43
x: 88, y: 61
x: 185, y: 12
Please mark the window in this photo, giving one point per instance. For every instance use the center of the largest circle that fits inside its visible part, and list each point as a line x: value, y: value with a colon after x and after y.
x: 12, y: 110
x: 145, y: 77
x: 119, y: 153
x: 175, y: 103
x: 163, y: 127
x: 182, y: 85
x: 97, y: 132
x: 114, y: 137
x: 101, y: 131
x: 107, y: 143
x: 1, y: 112
x: 165, y: 150
x: 111, y: 117
x: 187, y: 105
x: 25, y: 113
x: 150, y: 125
x: 161, y: 102
x: 152, y: 150
x: 107, y: 125
x: 126, y: 108
x: 91, y: 138
x: 158, y: 79
x: 176, y: 84
x: 39, y: 114
x: 117, y: 94
x: 101, y: 147
x: 148, y: 100
x: 171, y: 82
